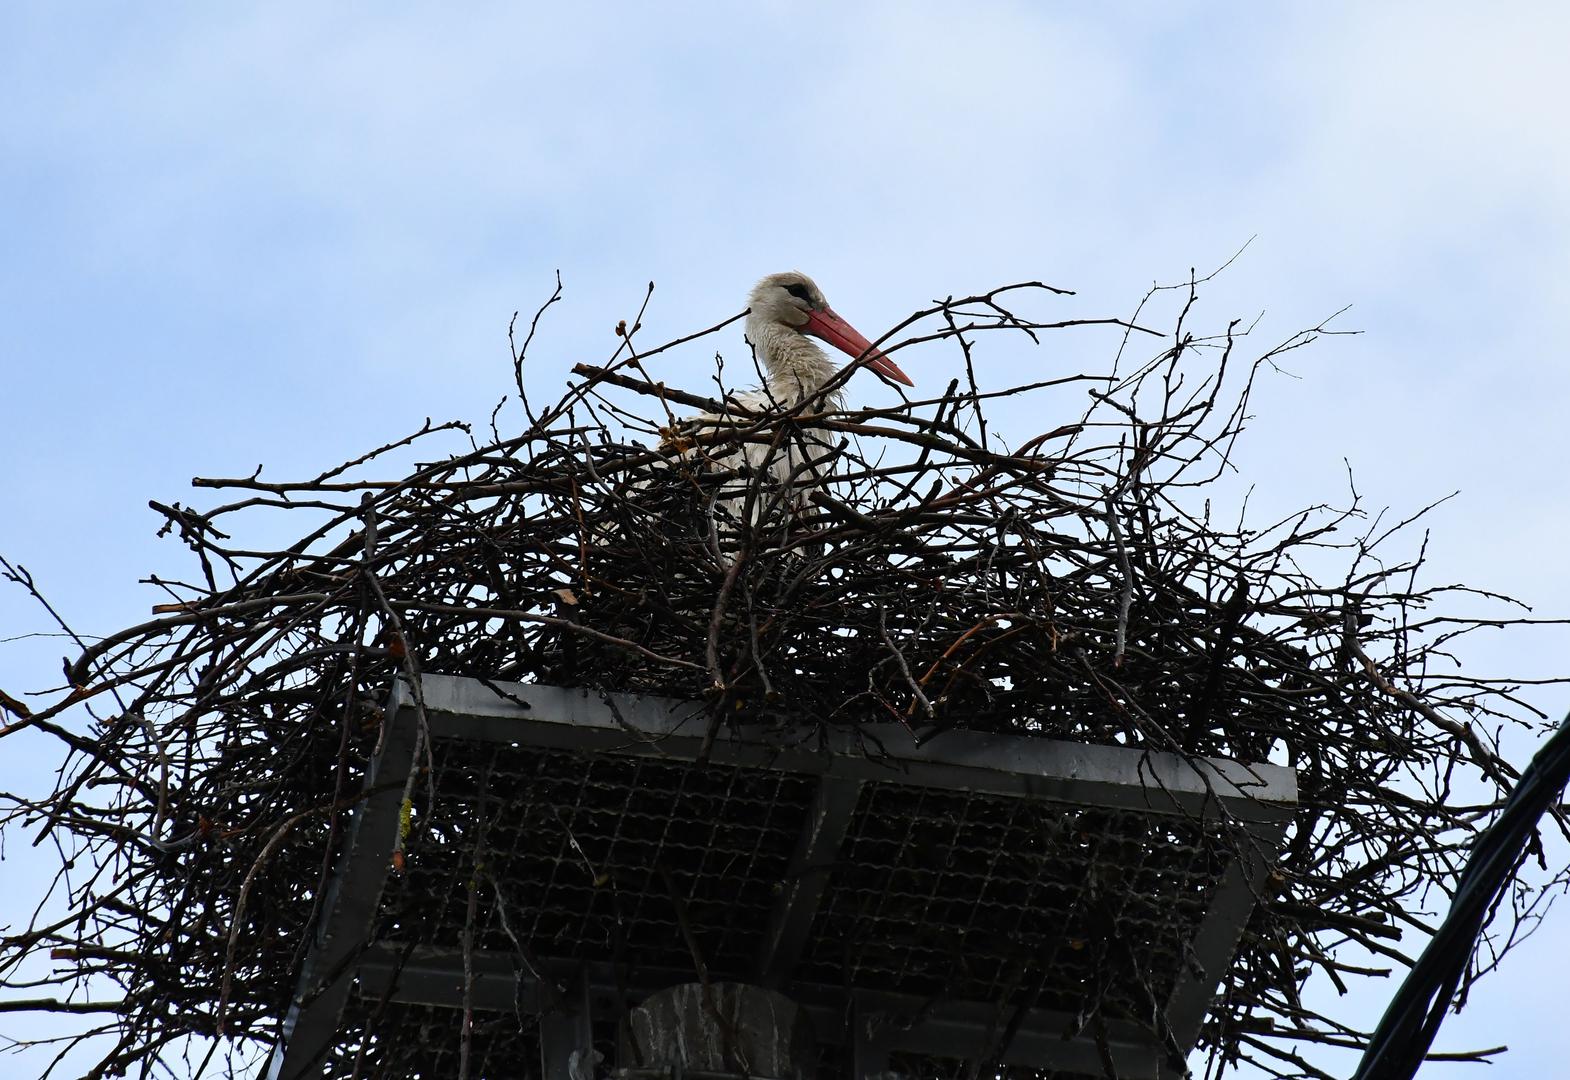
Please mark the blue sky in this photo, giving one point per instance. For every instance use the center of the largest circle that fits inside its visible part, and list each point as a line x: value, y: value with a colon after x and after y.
x: 281, y: 233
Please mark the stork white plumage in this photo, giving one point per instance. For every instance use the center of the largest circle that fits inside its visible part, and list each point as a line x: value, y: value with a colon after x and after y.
x: 784, y: 313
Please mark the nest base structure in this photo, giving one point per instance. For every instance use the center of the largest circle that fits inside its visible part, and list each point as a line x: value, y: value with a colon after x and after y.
x: 944, y: 902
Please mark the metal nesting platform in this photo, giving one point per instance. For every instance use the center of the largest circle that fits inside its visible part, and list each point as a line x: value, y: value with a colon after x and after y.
x: 1037, y: 903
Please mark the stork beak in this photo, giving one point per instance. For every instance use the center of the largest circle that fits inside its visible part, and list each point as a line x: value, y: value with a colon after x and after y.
x: 847, y: 339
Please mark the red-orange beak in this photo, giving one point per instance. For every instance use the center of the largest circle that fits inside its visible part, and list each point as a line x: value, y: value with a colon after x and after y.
x: 847, y: 339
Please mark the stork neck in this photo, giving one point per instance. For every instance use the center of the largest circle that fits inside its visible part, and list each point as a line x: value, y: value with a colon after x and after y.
x: 797, y: 368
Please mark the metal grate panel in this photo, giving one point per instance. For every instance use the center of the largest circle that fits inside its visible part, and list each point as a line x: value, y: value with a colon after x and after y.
x: 957, y: 895
x: 568, y: 852
x: 575, y: 844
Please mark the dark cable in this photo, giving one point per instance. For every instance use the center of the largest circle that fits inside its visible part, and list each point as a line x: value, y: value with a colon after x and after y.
x: 1411, y: 1021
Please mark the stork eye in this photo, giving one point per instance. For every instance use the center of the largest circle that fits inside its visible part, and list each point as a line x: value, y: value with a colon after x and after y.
x: 799, y: 291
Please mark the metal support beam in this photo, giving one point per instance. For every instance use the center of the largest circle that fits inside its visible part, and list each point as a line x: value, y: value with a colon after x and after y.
x: 968, y: 1030
x: 869, y: 1046
x: 1116, y: 777
x: 425, y: 975
x: 1216, y: 940
x: 821, y: 835
x: 433, y: 976
x: 567, y: 1033
x: 880, y: 1023
x: 310, y: 1028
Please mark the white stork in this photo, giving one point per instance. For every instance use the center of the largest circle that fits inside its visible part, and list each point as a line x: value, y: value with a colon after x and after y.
x: 785, y: 311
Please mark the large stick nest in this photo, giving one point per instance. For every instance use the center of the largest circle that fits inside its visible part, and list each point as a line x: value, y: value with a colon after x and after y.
x: 1075, y: 586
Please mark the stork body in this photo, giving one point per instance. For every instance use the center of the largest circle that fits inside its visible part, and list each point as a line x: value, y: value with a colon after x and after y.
x: 783, y: 310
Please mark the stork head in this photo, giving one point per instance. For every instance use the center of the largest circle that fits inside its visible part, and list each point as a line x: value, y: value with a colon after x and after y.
x: 794, y: 300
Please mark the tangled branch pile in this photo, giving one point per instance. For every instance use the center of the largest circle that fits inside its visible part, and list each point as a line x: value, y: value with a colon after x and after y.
x: 919, y: 570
